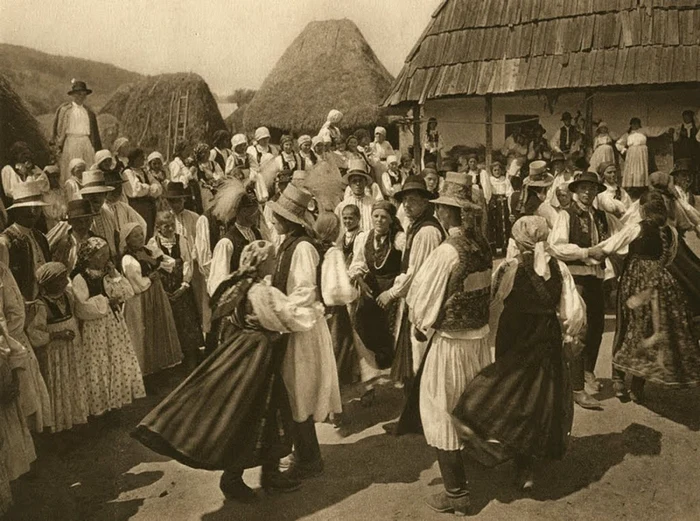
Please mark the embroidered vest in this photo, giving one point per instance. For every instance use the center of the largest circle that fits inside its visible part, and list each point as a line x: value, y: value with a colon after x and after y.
x: 95, y: 285
x: 580, y: 228
x: 686, y: 146
x: 172, y: 280
x: 284, y: 260
x: 287, y: 165
x: 468, y: 293
x: 427, y: 219
x: 239, y: 242
x: 21, y: 259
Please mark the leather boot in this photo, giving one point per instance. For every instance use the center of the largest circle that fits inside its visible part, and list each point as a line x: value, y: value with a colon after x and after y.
x: 272, y: 480
x: 307, y: 462
x: 233, y: 487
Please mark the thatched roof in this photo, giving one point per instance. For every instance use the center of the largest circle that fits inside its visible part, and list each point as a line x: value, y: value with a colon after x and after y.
x: 17, y: 124
x: 234, y: 121
x: 477, y: 47
x: 143, y: 110
x: 328, y: 66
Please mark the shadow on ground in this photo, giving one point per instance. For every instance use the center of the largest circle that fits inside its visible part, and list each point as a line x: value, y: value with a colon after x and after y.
x: 79, y: 472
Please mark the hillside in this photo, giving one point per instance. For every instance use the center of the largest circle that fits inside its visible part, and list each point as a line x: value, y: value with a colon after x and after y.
x: 42, y: 79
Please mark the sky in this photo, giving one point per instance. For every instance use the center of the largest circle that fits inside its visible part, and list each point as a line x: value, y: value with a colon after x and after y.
x: 231, y: 43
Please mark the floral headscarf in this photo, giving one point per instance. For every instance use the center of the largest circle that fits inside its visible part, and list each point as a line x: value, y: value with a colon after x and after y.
x: 255, y: 254
x: 88, y: 248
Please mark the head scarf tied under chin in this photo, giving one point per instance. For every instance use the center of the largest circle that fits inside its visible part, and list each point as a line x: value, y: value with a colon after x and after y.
x: 255, y: 254
x: 88, y: 249
x: 124, y: 234
x: 530, y: 234
x: 50, y: 271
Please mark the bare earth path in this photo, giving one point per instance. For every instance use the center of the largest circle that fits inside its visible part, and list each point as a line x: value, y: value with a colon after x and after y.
x: 626, y: 462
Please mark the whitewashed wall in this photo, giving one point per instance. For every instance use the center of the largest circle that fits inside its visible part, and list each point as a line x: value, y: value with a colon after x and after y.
x: 460, y: 121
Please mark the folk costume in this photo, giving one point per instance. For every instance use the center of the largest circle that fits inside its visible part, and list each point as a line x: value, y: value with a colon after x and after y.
x: 75, y: 131
x: 423, y: 235
x: 148, y: 314
x: 113, y: 374
x: 242, y: 377
x: 521, y: 405
x: 450, y: 295
x: 633, y: 146
x: 61, y: 360
x: 365, y: 203
x: 309, y: 370
x: 142, y: 192
x: 575, y: 230
x: 377, y: 261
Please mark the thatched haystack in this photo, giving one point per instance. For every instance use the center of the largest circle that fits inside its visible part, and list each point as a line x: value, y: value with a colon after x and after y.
x: 144, y: 110
x: 17, y: 124
x: 234, y: 122
x: 328, y: 66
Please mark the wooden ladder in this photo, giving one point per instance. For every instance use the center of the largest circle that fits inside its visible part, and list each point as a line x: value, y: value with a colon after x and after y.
x: 181, y: 113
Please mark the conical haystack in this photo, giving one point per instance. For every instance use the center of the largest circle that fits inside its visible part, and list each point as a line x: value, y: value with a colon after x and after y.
x: 147, y: 111
x: 17, y: 124
x: 328, y: 66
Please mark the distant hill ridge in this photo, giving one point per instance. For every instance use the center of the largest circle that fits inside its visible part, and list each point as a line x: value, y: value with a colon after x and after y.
x: 42, y: 79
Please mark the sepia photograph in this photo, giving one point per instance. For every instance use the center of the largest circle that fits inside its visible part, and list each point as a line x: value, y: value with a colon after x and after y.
x: 316, y: 260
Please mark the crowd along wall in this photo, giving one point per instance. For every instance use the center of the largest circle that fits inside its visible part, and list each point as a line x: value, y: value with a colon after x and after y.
x: 461, y: 121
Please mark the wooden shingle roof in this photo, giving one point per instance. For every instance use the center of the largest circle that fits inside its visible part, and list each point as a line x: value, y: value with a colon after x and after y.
x: 477, y: 47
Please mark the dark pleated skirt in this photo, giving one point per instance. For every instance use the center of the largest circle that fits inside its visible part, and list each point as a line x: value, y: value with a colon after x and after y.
x: 346, y: 358
x: 524, y: 399
x: 375, y: 326
x: 161, y: 343
x: 230, y: 412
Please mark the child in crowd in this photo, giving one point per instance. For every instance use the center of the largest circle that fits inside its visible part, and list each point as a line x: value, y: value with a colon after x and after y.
x: 499, y: 211
x: 351, y: 224
x: 113, y: 374
x: 177, y: 284
x: 148, y: 313
x: 53, y: 331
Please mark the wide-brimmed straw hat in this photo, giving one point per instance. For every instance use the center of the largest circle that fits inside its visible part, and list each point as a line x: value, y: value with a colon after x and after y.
x: 414, y: 183
x: 27, y: 195
x: 102, y: 155
x: 79, y: 208
x: 357, y: 167
x: 176, y: 190
x: 587, y: 177
x: 455, y: 190
x: 94, y: 183
x: 538, y: 175
x: 293, y: 205
x: 79, y: 86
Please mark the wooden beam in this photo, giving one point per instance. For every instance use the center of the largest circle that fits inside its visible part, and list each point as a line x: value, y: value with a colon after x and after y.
x: 417, y: 155
x: 589, y: 120
x: 488, y: 108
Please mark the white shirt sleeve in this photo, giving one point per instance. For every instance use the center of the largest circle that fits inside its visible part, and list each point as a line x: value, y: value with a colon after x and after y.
x: 134, y: 187
x: 426, y: 294
x: 132, y: 271
x: 559, y: 244
x: 87, y: 307
x: 485, y: 180
x: 202, y: 245
x: 425, y: 241
x: 220, y: 265
x: 301, y: 283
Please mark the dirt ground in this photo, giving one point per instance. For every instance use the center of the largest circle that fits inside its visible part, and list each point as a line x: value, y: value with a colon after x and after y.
x: 626, y: 462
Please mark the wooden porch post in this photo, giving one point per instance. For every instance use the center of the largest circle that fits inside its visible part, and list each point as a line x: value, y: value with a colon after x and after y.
x: 589, y: 120
x: 488, y: 107
x: 416, y: 137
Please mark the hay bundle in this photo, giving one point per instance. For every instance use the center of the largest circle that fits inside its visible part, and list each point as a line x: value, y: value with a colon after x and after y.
x: 144, y: 110
x: 17, y: 124
x: 328, y: 66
